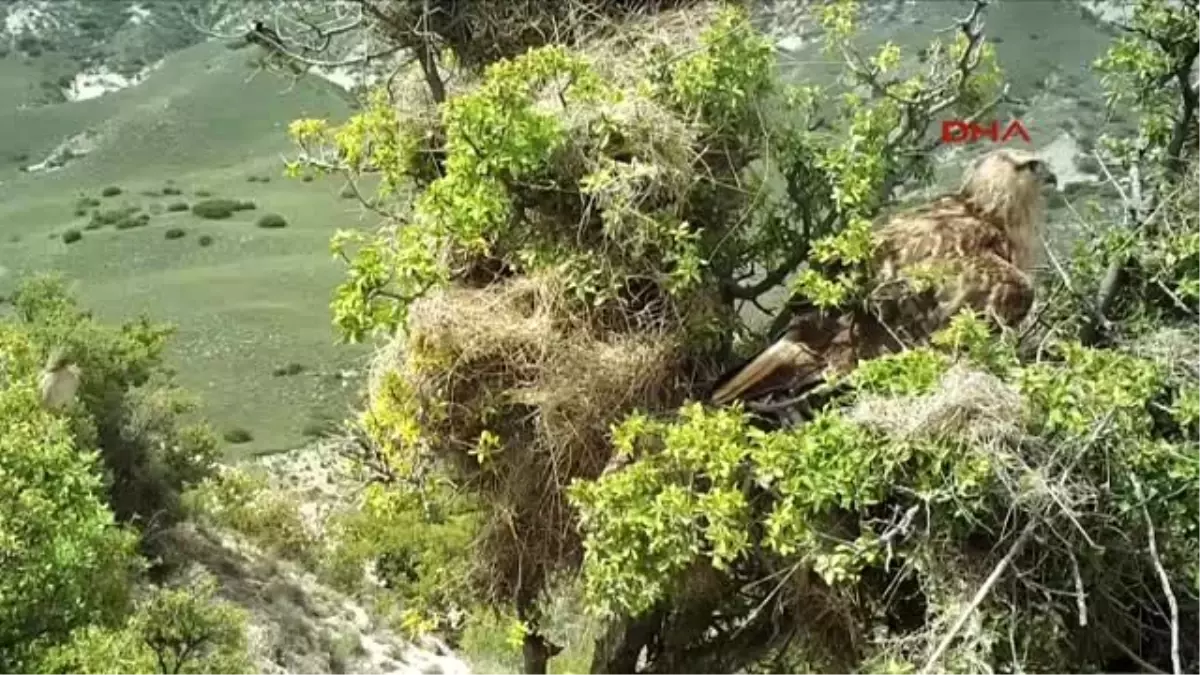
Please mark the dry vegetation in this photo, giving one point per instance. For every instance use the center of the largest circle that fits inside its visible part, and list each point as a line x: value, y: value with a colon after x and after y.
x: 518, y: 393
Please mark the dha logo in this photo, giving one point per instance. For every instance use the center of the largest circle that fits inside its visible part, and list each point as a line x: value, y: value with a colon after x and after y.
x: 959, y: 131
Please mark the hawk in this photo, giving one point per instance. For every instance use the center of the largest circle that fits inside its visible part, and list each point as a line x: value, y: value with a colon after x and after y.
x: 59, y: 381
x: 970, y: 249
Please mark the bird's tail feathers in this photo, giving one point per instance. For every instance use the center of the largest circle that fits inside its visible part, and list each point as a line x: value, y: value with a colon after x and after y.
x: 783, y: 354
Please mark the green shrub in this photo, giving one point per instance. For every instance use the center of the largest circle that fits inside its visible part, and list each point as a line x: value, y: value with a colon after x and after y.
x: 414, y: 540
x: 205, y: 240
x: 134, y: 220
x: 174, y: 233
x: 113, y: 216
x: 348, y: 192
x: 238, y: 435
x: 215, y: 209
x: 307, y: 178
x: 127, y: 406
x: 172, y: 191
x: 79, y: 213
x: 176, y: 207
x: 65, y: 561
x: 203, y: 193
x: 244, y: 501
x: 319, y: 427
x: 289, y: 369
x: 173, y: 630
x: 246, y: 205
x: 110, y: 191
x: 272, y: 221
x: 71, y: 236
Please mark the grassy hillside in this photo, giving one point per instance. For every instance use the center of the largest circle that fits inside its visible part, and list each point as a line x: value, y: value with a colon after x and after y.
x: 250, y: 302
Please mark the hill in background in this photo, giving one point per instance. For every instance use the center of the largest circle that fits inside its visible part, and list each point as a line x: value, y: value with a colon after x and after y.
x: 250, y: 302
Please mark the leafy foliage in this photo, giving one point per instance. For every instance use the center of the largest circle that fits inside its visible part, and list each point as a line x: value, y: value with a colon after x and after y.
x: 174, y: 630
x: 127, y: 407
x: 66, y: 563
x: 241, y: 501
x: 69, y: 566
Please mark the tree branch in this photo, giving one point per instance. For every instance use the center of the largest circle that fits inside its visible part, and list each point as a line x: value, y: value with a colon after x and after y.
x: 1163, y: 578
x: 980, y: 595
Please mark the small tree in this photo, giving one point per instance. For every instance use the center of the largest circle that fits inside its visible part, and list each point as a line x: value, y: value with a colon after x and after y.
x: 128, y: 408
x: 66, y: 563
x: 584, y: 230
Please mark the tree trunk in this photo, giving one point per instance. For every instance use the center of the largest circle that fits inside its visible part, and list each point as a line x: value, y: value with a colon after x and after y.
x: 536, y: 651
x: 429, y: 67
x: 621, y: 645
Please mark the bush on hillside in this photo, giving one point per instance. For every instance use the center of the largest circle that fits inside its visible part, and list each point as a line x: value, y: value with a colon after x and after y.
x: 205, y: 240
x: 66, y: 562
x: 292, y: 368
x: 244, y: 502
x: 238, y: 435
x: 173, y: 630
x: 131, y: 221
x: 176, y: 207
x: 171, y: 190
x: 272, y: 221
x: 128, y: 408
x: 114, y: 454
x: 215, y: 209
x: 246, y: 205
x: 174, y: 233
x: 100, y: 218
x: 110, y: 191
x: 71, y: 236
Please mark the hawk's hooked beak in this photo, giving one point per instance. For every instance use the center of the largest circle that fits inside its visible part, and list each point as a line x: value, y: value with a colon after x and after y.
x: 1046, y: 174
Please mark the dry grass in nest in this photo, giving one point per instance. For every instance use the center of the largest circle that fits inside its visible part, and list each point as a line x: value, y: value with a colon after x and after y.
x: 1176, y: 349
x: 968, y: 404
x: 621, y: 54
x: 509, y: 360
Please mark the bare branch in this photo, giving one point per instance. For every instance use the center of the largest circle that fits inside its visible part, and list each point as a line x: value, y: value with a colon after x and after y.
x: 980, y: 595
x: 1163, y: 578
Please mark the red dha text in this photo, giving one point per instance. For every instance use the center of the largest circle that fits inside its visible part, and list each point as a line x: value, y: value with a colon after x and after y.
x: 958, y: 131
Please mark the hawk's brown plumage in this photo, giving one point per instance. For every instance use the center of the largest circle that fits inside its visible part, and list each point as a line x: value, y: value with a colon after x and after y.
x: 970, y: 249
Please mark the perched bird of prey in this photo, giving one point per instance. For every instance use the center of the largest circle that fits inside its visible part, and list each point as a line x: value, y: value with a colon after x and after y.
x: 59, y: 381
x: 970, y: 249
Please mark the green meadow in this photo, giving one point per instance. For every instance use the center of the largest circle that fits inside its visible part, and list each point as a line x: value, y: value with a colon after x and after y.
x: 250, y: 303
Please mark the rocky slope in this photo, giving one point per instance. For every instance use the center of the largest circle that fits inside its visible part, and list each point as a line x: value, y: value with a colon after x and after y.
x: 297, y: 624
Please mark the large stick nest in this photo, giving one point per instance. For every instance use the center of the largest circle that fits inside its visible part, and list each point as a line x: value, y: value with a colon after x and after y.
x: 509, y: 363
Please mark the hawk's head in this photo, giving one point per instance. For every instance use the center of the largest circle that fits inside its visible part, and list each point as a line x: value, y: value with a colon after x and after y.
x: 1006, y: 186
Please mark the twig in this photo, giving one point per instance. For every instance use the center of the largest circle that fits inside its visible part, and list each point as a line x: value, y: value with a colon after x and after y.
x: 1133, y: 656
x: 982, y: 593
x: 1080, y: 593
x: 1165, y: 580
